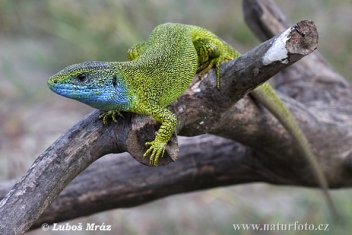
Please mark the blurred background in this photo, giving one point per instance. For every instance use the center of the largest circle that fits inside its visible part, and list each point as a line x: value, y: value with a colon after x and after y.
x: 38, y: 38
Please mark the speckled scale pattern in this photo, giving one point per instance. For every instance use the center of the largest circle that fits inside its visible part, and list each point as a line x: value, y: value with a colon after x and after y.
x: 160, y: 69
x: 163, y: 67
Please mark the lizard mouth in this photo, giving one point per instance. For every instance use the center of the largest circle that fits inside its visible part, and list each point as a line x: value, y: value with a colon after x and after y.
x: 66, y: 90
x: 84, y: 94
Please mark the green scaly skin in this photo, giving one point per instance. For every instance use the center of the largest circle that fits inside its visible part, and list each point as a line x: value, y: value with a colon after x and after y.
x: 158, y: 71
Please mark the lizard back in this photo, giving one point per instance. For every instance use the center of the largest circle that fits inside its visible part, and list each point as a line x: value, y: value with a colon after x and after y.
x: 164, y: 67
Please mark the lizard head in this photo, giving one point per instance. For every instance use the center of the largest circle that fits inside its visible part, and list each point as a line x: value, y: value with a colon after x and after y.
x: 94, y: 83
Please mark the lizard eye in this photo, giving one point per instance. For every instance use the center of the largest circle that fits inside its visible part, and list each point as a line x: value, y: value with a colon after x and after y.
x: 81, y: 77
x: 114, y: 83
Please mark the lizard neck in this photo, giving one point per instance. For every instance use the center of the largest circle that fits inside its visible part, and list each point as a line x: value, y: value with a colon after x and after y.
x: 113, y: 95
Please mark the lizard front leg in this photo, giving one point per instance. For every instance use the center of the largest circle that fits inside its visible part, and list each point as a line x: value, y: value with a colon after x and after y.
x: 109, y: 115
x: 168, y: 123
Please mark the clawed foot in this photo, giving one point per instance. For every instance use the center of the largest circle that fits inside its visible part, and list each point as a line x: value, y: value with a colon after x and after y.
x: 211, y: 64
x: 156, y: 150
x: 107, y: 116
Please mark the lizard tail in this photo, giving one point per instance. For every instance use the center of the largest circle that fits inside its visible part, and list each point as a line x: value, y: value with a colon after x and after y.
x: 266, y: 95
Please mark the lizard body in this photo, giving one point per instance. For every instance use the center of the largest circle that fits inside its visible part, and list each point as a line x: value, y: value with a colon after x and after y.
x: 158, y: 71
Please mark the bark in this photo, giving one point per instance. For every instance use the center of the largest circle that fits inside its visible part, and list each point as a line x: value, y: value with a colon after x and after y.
x: 322, y: 106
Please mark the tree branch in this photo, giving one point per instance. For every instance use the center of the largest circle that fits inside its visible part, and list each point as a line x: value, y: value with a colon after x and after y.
x: 204, y: 162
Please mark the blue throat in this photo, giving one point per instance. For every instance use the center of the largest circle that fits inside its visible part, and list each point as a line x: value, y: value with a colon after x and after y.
x: 110, y: 96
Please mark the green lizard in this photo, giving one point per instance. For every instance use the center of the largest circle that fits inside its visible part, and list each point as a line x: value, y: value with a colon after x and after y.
x: 158, y: 71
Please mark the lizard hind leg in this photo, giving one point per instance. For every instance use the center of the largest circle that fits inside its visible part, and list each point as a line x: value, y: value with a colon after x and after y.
x: 209, y: 56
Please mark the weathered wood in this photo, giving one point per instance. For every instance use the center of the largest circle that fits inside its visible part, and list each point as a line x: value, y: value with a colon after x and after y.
x: 120, y: 182
x: 323, y: 95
